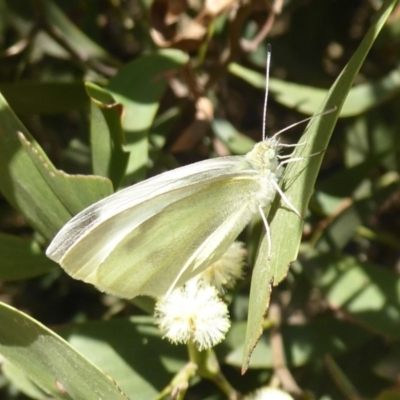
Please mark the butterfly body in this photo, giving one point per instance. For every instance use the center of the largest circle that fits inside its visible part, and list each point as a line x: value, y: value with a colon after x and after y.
x: 155, y: 235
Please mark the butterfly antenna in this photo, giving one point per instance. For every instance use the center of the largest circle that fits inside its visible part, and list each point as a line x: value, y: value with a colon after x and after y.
x: 332, y: 109
x: 266, y: 90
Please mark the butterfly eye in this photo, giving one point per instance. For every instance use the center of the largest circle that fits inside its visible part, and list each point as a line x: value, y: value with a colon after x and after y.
x: 270, y: 154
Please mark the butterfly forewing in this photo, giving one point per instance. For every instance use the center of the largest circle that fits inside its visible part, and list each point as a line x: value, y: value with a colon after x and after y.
x: 149, y: 237
x: 86, y: 222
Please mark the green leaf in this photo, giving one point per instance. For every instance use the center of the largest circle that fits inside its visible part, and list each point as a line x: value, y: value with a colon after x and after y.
x: 49, y: 361
x: 45, y: 97
x: 76, y: 39
x: 107, y: 136
x: 22, y: 259
x: 307, y: 99
x: 303, y: 343
x: 131, y: 351
x: 19, y: 379
x: 139, y: 87
x: 46, y: 197
x: 354, y: 213
x: 235, y: 141
x: 298, y: 183
x: 369, y: 293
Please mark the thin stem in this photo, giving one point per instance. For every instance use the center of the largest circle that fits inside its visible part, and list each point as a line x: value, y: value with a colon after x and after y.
x: 278, y: 353
x: 208, y: 368
x: 179, y: 385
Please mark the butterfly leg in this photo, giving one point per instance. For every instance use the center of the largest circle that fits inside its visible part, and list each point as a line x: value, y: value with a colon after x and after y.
x: 285, y: 199
x: 292, y: 153
x: 267, y: 231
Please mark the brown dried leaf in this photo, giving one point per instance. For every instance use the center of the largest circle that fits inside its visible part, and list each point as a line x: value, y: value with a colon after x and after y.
x: 197, y: 129
x: 172, y: 26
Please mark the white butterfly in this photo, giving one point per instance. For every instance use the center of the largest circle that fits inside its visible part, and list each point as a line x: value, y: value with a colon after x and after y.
x: 155, y: 235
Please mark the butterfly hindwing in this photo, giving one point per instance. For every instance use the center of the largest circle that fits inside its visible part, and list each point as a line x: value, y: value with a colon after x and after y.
x: 171, y: 247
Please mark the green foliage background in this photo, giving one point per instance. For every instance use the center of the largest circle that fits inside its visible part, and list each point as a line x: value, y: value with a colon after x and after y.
x: 90, y: 104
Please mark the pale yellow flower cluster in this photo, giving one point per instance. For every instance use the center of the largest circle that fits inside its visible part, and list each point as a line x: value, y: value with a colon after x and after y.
x: 195, y: 312
x: 269, y: 393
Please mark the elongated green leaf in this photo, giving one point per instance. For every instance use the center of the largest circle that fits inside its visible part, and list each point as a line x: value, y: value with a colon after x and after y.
x: 22, y: 259
x: 51, y: 362
x: 306, y: 99
x: 139, y: 87
x: 107, y: 136
x: 47, y: 198
x: 76, y: 39
x: 298, y: 184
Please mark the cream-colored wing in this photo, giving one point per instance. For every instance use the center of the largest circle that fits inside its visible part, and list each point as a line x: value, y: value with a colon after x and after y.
x: 171, y: 246
x: 144, y: 192
x: 162, y: 231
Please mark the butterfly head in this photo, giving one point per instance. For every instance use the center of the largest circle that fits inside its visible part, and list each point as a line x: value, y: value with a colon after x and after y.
x: 264, y: 155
